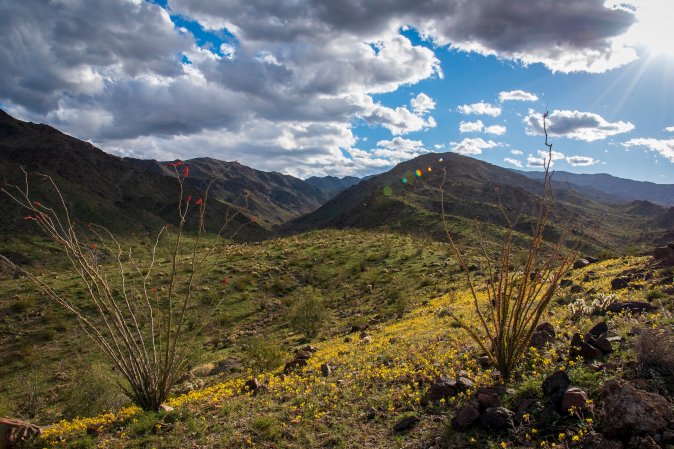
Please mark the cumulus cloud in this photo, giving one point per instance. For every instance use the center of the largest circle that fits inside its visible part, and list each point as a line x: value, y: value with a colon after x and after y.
x: 515, y: 162
x: 480, y: 108
x: 517, y: 152
x: 422, y: 103
x: 581, y: 161
x: 498, y: 130
x: 670, y: 129
x: 586, y: 126
x: 536, y: 161
x: 516, y: 95
x: 124, y: 76
x: 399, y: 149
x: 664, y: 147
x: 472, y: 146
x: 471, y: 127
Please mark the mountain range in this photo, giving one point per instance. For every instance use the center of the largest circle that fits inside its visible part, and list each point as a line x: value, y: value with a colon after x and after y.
x: 141, y: 195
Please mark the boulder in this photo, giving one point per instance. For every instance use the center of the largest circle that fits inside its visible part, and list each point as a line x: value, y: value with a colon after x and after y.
x: 580, y: 263
x: 326, y: 370
x: 488, y: 397
x: 619, y: 283
x: 574, y: 401
x: 464, y: 383
x: 14, y: 432
x: 250, y: 385
x: 497, y: 420
x: 576, y: 289
x: 405, y: 423
x: 565, y: 283
x: 442, y: 388
x: 203, y: 370
x: 294, y: 365
x: 466, y: 415
x: 631, y: 306
x: 627, y: 411
x: 580, y: 347
x: 598, y: 441
x: 543, y: 334
x: 664, y: 255
x: 554, y: 387
x: 599, y: 329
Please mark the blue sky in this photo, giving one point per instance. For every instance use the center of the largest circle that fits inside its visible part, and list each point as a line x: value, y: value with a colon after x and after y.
x: 310, y: 87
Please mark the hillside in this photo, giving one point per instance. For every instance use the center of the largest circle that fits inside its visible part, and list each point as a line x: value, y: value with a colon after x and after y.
x: 407, y: 199
x: 140, y: 196
x: 623, y: 189
x: 332, y: 184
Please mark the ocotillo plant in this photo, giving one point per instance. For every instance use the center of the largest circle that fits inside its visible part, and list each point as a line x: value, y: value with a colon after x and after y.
x: 515, y: 296
x: 142, y: 322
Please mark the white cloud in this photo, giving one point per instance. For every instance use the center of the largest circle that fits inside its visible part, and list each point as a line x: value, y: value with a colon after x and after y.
x: 471, y: 127
x: 399, y: 120
x: 472, y: 146
x: 499, y: 130
x: 536, y: 162
x: 517, y: 152
x: 664, y: 147
x: 480, y: 108
x: 516, y: 95
x: 670, y: 129
x: 422, y: 103
x: 581, y: 161
x: 399, y: 149
x: 586, y: 126
x: 514, y: 162
x: 552, y: 155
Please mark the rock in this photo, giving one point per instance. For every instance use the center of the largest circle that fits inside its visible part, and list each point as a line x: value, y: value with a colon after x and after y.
x: 464, y: 383
x: 496, y: 375
x: 645, y: 443
x: 488, y: 397
x: 250, y: 385
x: 305, y: 352
x: 599, y: 329
x: 165, y: 408
x: 326, y: 370
x: 591, y: 259
x: 405, y: 423
x: 294, y: 365
x: 574, y: 401
x: 497, y: 419
x: 580, y: 263
x: 576, y: 289
x: 443, y: 388
x: 543, y: 334
x: 484, y: 361
x: 602, y: 344
x: 203, y: 370
x: 579, y: 347
x: 619, y: 283
x: 223, y: 367
x: 631, y: 306
x: 13, y: 432
x: 597, y: 441
x: 365, y: 340
x: 627, y: 411
x: 664, y: 255
x: 554, y: 387
x: 466, y: 415
x: 565, y: 283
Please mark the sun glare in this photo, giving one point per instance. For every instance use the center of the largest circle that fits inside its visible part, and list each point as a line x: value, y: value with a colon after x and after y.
x: 654, y: 30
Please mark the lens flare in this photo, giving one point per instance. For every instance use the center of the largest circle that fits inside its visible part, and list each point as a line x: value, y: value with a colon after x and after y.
x: 418, y: 172
x: 404, y: 180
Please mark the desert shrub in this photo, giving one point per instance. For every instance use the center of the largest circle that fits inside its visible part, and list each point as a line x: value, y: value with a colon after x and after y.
x: 655, y: 349
x: 93, y: 392
x: 654, y: 294
x: 515, y: 297
x: 596, y: 306
x: 142, y: 320
x: 264, y: 354
x: 22, y: 304
x: 307, y: 311
x: 28, y: 396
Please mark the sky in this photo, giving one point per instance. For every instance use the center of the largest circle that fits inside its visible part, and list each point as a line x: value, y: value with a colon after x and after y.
x: 351, y: 87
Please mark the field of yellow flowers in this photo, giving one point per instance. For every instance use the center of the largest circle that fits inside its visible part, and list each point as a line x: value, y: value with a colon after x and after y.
x: 377, y: 377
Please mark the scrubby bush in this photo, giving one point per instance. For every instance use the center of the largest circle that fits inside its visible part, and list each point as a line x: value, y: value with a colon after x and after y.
x: 655, y: 349
x: 307, y: 311
x: 264, y: 354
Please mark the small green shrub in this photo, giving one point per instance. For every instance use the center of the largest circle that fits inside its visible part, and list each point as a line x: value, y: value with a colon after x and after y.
x: 23, y: 304
x: 307, y: 311
x: 264, y: 354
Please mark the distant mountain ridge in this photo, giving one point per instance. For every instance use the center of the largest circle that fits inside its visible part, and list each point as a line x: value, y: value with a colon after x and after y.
x: 623, y: 189
x: 407, y: 198
x: 332, y: 184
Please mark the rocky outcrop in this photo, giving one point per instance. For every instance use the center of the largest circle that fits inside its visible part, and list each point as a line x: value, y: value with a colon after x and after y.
x: 14, y: 432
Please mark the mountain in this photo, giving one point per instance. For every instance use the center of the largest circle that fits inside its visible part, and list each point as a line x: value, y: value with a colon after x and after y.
x: 273, y: 198
x: 133, y: 195
x: 332, y: 185
x: 407, y: 198
x: 623, y: 189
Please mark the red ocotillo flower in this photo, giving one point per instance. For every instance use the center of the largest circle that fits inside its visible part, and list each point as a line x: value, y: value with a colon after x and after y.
x: 198, y: 202
x: 37, y: 203
x: 253, y: 220
x: 28, y: 217
x: 175, y: 164
x: 225, y: 281
x: 188, y: 198
x: 186, y: 172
